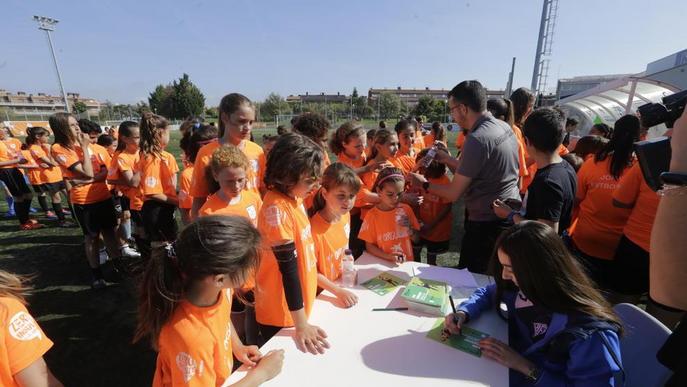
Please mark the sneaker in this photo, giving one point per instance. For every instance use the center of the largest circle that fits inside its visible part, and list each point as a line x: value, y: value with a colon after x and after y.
x: 98, y: 284
x: 30, y: 226
x: 103, y: 257
x: 10, y: 214
x: 66, y: 224
x: 33, y: 210
x: 66, y: 212
x: 32, y: 221
x: 128, y: 252
x: 50, y: 215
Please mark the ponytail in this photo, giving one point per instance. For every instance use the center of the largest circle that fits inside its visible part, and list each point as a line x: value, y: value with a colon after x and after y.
x: 13, y: 286
x: 381, y: 137
x: 439, y: 132
x: 151, y: 126
x: 620, y: 147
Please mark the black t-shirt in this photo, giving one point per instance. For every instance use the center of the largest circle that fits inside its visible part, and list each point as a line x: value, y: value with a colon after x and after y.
x: 551, y: 195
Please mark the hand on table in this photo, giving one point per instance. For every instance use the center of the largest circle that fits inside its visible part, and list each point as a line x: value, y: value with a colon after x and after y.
x: 247, y: 354
x: 346, y: 297
x: 501, y: 353
x: 453, y: 322
x: 270, y: 365
x: 311, y: 338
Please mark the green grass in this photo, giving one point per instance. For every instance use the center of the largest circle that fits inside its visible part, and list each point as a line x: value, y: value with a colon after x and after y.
x: 92, y: 330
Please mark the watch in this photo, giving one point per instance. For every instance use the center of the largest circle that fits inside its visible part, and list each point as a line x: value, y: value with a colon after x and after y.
x: 533, y: 374
x: 425, y: 186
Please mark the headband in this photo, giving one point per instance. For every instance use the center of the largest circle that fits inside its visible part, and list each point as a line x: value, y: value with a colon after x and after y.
x: 390, y: 176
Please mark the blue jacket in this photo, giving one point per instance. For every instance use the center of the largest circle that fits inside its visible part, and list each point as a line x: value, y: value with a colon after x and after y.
x: 588, y: 362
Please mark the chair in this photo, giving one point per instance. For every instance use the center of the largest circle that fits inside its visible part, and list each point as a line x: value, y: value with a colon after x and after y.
x: 644, y: 336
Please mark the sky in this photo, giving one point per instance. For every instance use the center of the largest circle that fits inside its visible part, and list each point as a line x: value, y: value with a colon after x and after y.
x: 119, y: 50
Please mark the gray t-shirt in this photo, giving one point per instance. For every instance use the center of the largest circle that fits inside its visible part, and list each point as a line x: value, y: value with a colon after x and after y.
x: 490, y: 158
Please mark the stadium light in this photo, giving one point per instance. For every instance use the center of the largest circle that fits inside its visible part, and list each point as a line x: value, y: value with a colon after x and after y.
x: 47, y: 24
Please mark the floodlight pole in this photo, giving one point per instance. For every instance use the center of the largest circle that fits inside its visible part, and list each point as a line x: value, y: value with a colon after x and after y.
x: 48, y: 24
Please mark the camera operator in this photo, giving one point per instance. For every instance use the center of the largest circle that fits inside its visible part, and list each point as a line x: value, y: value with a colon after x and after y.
x: 668, y: 263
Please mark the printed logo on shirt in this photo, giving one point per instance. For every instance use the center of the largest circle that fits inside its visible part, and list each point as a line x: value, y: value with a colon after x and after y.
x: 61, y: 158
x: 188, y: 366
x: 540, y: 329
x: 151, y: 181
x: 252, y: 213
x: 23, y: 327
x: 273, y: 216
x: 254, y: 165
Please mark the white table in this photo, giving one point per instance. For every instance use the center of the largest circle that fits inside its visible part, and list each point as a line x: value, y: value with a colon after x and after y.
x: 387, y: 348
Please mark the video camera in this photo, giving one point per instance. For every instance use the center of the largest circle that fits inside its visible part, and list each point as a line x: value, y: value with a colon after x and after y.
x: 654, y: 155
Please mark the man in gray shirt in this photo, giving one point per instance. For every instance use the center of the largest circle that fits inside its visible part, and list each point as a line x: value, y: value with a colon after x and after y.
x: 486, y: 170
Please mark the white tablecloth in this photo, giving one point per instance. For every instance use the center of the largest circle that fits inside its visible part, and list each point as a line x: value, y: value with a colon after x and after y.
x: 387, y: 348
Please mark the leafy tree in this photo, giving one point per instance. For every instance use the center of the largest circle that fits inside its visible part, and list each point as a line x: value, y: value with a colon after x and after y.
x: 389, y: 105
x: 160, y: 100
x: 424, y: 107
x: 274, y: 104
x: 188, y: 99
x: 79, y: 107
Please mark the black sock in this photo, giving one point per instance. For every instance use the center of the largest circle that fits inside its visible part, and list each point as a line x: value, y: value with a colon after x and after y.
x: 58, y: 210
x: 97, y: 273
x: 43, y: 201
x: 22, y: 210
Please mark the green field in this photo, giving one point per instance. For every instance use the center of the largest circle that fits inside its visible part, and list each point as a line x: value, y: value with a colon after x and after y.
x: 92, y: 330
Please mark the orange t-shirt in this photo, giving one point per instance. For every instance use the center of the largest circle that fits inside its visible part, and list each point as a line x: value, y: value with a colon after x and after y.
x: 159, y: 175
x: 405, y: 163
x: 419, y: 143
x: 195, y: 345
x: 355, y: 164
x: 23, y: 341
x: 331, y: 241
x: 50, y: 174
x: 632, y: 189
x: 522, y: 152
x: 460, y: 140
x: 431, y: 207
x: 383, y: 229
x: 185, y: 198
x: 6, y: 155
x: 122, y: 162
x: 13, y: 145
x: 247, y: 204
x: 532, y: 169
x: 283, y: 218
x: 256, y: 158
x: 84, y: 193
x: 599, y: 224
x: 34, y: 174
x: 368, y: 180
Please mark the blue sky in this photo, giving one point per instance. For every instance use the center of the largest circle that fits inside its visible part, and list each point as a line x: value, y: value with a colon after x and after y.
x: 120, y: 49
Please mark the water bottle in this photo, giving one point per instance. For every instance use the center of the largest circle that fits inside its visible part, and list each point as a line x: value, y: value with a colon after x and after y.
x: 429, y: 157
x: 348, y: 272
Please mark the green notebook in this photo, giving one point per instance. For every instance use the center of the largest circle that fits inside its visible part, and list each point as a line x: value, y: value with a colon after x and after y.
x: 467, y: 341
x: 383, y: 283
x: 426, y: 296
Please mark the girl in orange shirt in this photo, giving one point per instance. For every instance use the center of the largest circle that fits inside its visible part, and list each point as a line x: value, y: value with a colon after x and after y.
x: 14, y: 181
x: 185, y: 305
x: 237, y: 114
x: 434, y: 213
x: 315, y: 127
x: 599, y: 226
x: 84, y: 173
x: 391, y: 226
x: 51, y: 176
x: 406, y: 136
x: 229, y: 167
x: 194, y: 138
x: 23, y: 341
x: 287, y: 278
x: 331, y: 226
x: 437, y: 133
x: 158, y: 180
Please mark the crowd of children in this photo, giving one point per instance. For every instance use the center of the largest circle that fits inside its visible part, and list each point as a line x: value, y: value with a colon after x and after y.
x: 272, y: 225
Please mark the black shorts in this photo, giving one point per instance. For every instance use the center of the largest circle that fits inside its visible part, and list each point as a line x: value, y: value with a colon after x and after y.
x: 433, y: 247
x: 14, y: 181
x: 49, y: 187
x: 158, y: 221
x: 629, y: 272
x: 95, y: 217
x: 136, y: 218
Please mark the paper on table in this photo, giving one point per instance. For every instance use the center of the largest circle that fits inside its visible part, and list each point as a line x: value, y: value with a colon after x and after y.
x: 467, y: 341
x: 383, y: 283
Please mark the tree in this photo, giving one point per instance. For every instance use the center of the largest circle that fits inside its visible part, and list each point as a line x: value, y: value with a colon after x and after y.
x: 424, y: 107
x: 389, y: 105
x: 79, y: 107
x: 440, y: 111
x: 177, y: 100
x: 188, y: 99
x: 212, y: 112
x: 274, y: 105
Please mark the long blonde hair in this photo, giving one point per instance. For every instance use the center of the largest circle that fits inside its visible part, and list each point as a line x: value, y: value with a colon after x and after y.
x: 12, y: 285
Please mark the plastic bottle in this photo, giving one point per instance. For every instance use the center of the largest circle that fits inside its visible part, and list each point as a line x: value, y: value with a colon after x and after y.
x: 348, y: 272
x: 429, y: 157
